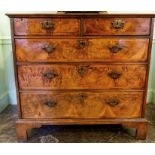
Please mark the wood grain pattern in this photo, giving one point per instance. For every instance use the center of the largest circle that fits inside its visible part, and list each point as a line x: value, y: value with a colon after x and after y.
x: 31, y: 50
x: 78, y: 84
x: 103, y: 26
x: 71, y: 105
x: 33, y: 26
x: 78, y: 76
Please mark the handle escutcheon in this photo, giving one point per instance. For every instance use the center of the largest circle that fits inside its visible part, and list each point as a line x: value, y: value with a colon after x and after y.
x: 112, y: 102
x: 117, y: 24
x: 50, y: 74
x: 50, y: 103
x: 82, y: 44
x: 48, y: 25
x: 48, y: 48
x: 82, y: 70
x: 114, y: 75
x: 115, y: 48
x: 82, y: 97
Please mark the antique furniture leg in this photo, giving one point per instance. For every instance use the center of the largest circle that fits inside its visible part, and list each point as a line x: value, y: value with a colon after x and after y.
x: 141, y: 128
x: 141, y: 131
x: 22, y: 130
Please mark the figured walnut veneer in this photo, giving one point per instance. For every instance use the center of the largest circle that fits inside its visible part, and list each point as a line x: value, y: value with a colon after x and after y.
x: 81, y: 68
x: 103, y: 26
x: 28, y: 26
x: 81, y: 105
x: 94, y: 76
x: 64, y: 50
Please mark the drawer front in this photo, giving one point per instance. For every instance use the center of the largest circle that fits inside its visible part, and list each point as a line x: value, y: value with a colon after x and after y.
x: 117, y: 26
x: 78, y: 76
x: 75, y: 50
x: 49, y: 26
x: 81, y: 105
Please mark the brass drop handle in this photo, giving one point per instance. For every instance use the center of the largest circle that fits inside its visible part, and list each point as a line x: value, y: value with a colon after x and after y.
x: 48, y: 25
x: 50, y: 74
x: 112, y: 102
x: 82, y: 43
x: 115, y: 48
x: 50, y: 103
x: 82, y: 70
x: 48, y: 48
x: 114, y: 75
x: 117, y: 24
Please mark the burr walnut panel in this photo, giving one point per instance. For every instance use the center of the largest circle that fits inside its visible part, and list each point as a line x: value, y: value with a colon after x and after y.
x: 81, y: 104
x: 117, y: 26
x: 78, y: 76
x: 46, y: 26
x: 75, y: 50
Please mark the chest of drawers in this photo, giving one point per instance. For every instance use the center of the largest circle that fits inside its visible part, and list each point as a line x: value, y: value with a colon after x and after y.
x: 81, y: 68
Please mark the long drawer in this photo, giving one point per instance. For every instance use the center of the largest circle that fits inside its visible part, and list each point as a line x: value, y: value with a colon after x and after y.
x: 81, y: 76
x: 81, y: 104
x: 117, y: 26
x: 81, y: 50
x: 46, y: 26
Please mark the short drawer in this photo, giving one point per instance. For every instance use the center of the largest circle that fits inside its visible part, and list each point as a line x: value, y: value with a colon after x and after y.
x: 117, y: 26
x: 81, y: 76
x: 46, y: 26
x: 81, y: 50
x: 81, y: 104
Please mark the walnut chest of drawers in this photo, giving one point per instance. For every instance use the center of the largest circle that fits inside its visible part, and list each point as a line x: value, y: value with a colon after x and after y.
x: 82, y: 68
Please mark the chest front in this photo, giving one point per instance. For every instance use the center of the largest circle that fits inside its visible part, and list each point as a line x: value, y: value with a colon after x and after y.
x: 81, y: 69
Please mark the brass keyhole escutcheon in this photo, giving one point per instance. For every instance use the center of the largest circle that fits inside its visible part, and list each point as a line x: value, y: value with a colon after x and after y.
x: 114, y: 75
x: 49, y: 48
x: 48, y: 25
x: 118, y: 24
x: 50, y: 74
x: 112, y: 102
